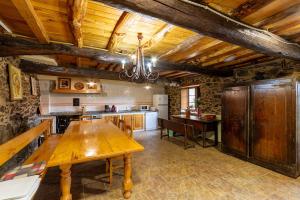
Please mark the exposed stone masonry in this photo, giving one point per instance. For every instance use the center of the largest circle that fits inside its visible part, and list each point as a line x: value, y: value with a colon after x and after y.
x: 16, y: 116
x: 211, y: 87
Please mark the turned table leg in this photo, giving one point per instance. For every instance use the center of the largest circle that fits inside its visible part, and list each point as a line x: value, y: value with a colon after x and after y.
x: 127, y: 184
x: 65, y: 182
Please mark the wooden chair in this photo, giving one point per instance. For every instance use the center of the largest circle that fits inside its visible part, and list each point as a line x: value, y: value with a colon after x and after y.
x: 42, y: 153
x: 127, y: 129
x: 85, y: 117
x: 181, y: 129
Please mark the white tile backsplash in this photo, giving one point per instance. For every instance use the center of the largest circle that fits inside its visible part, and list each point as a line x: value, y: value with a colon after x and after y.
x: 124, y: 95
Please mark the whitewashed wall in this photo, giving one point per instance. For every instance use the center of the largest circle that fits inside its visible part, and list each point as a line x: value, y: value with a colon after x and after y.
x: 123, y: 94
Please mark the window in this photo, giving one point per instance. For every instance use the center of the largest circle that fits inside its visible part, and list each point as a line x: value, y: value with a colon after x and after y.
x: 188, y: 97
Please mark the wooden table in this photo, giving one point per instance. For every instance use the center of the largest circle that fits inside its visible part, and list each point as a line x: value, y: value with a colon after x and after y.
x: 85, y: 141
x: 201, y: 125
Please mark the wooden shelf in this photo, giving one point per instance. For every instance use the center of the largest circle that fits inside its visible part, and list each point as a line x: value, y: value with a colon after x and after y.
x: 62, y: 91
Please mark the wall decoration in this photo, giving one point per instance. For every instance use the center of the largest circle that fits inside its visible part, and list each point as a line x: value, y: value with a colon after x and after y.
x: 79, y: 86
x: 15, y: 82
x: 91, y: 86
x: 64, y: 83
x: 33, y: 86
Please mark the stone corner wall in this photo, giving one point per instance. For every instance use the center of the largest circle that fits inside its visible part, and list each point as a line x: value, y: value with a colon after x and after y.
x: 174, y: 96
x: 16, y: 116
x: 211, y: 88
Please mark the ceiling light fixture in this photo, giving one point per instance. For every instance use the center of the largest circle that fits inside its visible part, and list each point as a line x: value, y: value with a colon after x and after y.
x: 138, y: 70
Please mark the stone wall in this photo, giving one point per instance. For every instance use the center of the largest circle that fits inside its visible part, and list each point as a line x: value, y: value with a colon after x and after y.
x: 210, y: 93
x: 269, y: 70
x: 16, y: 116
x: 211, y: 87
x: 174, y: 96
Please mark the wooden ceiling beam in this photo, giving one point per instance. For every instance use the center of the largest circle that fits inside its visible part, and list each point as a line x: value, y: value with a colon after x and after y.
x: 38, y: 68
x: 120, y: 29
x: 174, y: 74
x: 182, y: 46
x: 158, y: 36
x: 26, y: 10
x: 293, y: 10
x: 262, y: 60
x: 210, y: 52
x: 14, y: 46
x: 195, y: 50
x: 242, y: 59
x: 235, y: 54
x: 76, y: 12
x: 187, y: 15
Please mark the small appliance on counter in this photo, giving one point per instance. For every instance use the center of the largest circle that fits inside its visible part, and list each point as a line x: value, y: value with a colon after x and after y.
x: 113, y: 108
x: 106, y: 108
x: 144, y: 107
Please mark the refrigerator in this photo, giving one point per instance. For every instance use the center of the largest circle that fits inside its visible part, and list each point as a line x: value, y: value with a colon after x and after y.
x: 160, y: 101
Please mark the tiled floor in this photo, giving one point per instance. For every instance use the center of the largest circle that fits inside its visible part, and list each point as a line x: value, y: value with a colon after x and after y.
x: 166, y: 171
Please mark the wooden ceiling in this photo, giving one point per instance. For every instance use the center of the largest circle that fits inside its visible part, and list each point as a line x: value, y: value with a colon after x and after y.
x: 95, y: 25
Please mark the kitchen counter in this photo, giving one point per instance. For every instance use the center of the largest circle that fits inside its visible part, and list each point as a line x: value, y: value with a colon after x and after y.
x: 95, y: 113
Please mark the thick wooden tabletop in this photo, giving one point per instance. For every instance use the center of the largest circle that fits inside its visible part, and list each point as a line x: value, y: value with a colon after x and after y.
x: 91, y: 140
x: 195, y: 118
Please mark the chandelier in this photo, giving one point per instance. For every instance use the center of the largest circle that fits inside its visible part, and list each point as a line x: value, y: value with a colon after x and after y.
x: 137, y: 69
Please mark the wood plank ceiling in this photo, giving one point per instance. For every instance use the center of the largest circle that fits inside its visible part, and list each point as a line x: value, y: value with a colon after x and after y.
x: 95, y: 25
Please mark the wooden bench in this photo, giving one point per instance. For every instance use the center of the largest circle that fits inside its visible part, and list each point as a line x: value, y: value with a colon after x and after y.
x: 42, y: 153
x: 178, y: 127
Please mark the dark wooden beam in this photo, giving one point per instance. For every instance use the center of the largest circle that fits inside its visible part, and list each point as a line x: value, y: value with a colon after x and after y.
x: 68, y: 70
x: 187, y: 15
x: 13, y: 46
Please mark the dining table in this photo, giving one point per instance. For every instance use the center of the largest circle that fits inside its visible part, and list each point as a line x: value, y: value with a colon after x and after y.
x: 200, y: 125
x: 90, y: 140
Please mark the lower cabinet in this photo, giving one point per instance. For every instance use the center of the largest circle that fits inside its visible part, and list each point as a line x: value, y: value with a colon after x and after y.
x: 272, y: 139
x: 138, y: 122
x: 135, y: 120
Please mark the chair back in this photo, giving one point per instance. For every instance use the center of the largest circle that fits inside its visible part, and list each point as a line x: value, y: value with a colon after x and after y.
x: 121, y: 124
x: 129, y: 131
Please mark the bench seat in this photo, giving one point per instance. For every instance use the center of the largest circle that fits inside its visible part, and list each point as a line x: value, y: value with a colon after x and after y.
x: 44, y: 152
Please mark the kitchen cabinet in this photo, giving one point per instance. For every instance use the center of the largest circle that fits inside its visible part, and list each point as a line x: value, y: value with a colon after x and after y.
x: 273, y: 136
x: 138, y: 122
x: 128, y: 120
x: 273, y: 139
x: 110, y: 117
x: 235, y: 115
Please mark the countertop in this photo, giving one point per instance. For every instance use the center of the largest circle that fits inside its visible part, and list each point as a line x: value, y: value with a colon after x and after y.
x: 95, y: 113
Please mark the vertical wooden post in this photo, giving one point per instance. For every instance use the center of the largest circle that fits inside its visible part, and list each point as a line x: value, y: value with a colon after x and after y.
x: 127, y: 184
x: 65, y: 182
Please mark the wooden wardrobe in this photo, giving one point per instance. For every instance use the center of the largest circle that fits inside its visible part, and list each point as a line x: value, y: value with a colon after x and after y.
x: 260, y: 123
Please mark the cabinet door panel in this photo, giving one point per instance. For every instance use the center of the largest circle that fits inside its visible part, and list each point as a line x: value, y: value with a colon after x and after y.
x: 128, y: 119
x: 273, y: 114
x: 138, y: 122
x: 235, y: 114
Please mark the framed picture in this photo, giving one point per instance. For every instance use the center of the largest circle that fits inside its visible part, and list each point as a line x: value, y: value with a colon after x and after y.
x: 33, y: 86
x: 15, y: 83
x: 64, y: 83
x: 92, y: 86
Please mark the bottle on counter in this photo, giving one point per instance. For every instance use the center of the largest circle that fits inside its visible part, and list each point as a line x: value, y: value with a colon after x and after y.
x: 188, y: 112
